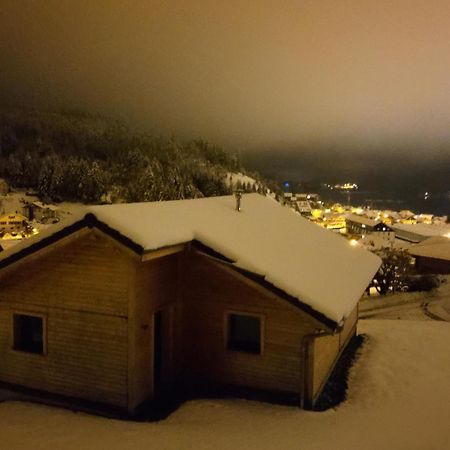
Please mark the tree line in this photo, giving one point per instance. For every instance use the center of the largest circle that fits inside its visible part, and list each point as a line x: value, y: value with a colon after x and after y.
x: 75, y: 156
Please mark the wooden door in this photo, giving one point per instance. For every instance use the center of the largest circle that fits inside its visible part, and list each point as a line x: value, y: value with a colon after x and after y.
x: 162, y: 349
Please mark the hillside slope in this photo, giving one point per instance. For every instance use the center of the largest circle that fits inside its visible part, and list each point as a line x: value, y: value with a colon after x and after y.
x: 81, y: 157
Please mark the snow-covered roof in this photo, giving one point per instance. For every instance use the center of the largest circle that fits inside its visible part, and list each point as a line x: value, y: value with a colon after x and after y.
x: 39, y: 204
x: 305, y: 261
x: 435, y: 247
x: 361, y: 219
x: 420, y: 231
x: 376, y: 241
x: 304, y: 206
x: 406, y: 213
x: 423, y: 229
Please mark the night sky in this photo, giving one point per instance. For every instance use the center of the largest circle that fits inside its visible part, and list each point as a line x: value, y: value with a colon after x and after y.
x: 308, y: 86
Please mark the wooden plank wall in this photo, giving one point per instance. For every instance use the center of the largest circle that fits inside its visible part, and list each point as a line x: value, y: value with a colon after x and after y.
x: 99, y: 303
x: 208, y: 293
x: 82, y: 289
x: 327, y: 349
x: 156, y: 288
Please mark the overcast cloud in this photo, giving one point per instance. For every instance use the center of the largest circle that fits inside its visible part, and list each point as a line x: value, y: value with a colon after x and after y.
x: 345, y: 76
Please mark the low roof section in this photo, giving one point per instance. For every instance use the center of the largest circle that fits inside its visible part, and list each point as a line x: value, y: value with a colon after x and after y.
x: 437, y: 247
x: 312, y: 266
x: 423, y: 230
x: 362, y: 220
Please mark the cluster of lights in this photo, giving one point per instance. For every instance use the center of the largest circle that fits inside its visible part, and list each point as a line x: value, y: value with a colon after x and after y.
x: 346, y: 186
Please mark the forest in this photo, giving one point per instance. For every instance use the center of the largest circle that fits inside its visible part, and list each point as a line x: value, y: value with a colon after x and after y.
x: 77, y: 156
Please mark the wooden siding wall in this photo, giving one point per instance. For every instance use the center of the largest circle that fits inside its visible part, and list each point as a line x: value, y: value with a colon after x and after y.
x: 82, y: 289
x: 326, y: 350
x: 208, y: 293
x: 156, y: 288
x: 99, y: 303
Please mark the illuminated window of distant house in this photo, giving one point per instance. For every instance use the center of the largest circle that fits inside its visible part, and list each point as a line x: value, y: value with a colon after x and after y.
x: 28, y: 333
x: 244, y: 333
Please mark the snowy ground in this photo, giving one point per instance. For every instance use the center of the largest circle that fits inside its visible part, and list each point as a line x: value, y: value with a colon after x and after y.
x: 399, y: 398
x: 410, y: 305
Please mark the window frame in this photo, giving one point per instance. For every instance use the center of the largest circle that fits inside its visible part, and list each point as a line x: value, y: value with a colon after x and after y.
x: 226, y: 331
x: 41, y: 316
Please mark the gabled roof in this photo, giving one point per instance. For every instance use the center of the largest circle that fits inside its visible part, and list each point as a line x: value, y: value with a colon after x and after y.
x: 308, y: 263
x: 362, y: 219
x: 437, y: 247
x: 423, y: 229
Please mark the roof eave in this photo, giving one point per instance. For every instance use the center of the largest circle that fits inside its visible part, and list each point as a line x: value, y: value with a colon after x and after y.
x: 88, y: 221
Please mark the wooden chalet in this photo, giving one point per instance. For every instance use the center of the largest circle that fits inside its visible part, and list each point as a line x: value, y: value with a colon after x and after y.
x: 129, y: 302
x: 360, y: 225
x: 432, y: 255
x: 40, y: 211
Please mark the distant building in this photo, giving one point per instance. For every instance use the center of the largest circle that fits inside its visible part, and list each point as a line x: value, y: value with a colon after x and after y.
x: 40, y: 211
x: 13, y: 223
x: 389, y: 217
x: 432, y: 255
x: 425, y: 218
x: 360, y: 225
x: 377, y: 241
x: 333, y: 221
x: 303, y: 207
x: 338, y: 208
x: 419, y: 232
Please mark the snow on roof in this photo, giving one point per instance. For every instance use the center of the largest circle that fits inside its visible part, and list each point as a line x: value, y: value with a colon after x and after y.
x: 434, y: 247
x: 39, y: 204
x: 423, y: 229
x: 304, y: 206
x: 307, y: 262
x: 376, y: 241
x: 361, y: 219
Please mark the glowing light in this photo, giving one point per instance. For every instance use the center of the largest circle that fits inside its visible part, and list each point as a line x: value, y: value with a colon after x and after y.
x: 353, y: 242
x: 346, y: 186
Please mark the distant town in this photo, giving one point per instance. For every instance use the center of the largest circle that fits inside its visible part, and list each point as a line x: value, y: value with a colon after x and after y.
x: 23, y: 214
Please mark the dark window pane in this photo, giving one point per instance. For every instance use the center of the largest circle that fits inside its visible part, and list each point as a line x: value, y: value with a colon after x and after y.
x: 244, y: 333
x: 28, y: 333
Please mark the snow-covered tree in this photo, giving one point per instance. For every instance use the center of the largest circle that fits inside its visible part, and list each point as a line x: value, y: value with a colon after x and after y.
x: 394, y: 271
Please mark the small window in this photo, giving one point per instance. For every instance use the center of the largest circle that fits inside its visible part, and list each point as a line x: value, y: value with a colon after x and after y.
x: 29, y: 333
x: 244, y: 333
